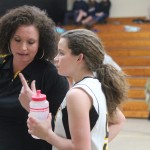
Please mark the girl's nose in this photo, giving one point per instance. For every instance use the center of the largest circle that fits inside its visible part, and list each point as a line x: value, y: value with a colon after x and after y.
x: 56, y: 59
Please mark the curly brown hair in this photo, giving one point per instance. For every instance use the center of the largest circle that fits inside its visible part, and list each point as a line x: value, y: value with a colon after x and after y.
x: 114, y: 83
x: 29, y: 15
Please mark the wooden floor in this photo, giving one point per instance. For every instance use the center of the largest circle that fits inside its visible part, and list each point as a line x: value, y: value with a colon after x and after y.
x: 131, y: 50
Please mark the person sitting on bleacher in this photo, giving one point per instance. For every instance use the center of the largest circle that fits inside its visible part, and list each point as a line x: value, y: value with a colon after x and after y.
x: 100, y: 13
x: 147, y: 96
x: 78, y: 12
x: 92, y: 10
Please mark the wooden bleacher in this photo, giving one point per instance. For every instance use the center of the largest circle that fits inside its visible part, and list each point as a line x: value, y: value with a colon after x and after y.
x: 131, y: 50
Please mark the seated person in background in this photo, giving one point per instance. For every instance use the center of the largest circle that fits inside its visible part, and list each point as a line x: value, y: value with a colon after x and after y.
x: 99, y: 15
x: 147, y: 96
x: 93, y: 8
x: 78, y: 12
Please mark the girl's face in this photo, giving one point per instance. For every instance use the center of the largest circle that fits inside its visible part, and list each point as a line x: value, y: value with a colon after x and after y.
x: 65, y: 62
x: 24, y: 44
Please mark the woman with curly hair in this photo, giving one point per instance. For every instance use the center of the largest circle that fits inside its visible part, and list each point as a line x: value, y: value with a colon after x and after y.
x: 28, y: 44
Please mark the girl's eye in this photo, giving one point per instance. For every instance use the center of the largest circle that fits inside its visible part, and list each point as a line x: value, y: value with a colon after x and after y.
x: 61, y: 53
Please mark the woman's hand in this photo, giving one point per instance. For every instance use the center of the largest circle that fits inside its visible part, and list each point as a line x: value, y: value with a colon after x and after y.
x: 26, y: 92
x: 39, y: 128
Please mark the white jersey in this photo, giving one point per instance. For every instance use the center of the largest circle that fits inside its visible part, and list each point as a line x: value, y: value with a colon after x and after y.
x: 108, y: 60
x: 98, y: 115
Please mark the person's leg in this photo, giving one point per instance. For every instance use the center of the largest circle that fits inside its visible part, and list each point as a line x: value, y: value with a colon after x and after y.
x: 102, y: 19
x: 80, y: 16
x: 67, y: 17
x: 87, y: 20
x: 75, y: 15
x: 97, y: 19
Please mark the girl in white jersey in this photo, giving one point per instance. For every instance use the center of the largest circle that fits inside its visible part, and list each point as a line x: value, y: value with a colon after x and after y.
x: 81, y: 122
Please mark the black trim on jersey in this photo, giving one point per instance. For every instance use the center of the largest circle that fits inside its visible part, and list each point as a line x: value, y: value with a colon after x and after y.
x: 65, y: 122
x: 83, y: 79
x: 92, y: 115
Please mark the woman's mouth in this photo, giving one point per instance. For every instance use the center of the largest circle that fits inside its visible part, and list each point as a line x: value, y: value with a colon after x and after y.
x: 21, y: 54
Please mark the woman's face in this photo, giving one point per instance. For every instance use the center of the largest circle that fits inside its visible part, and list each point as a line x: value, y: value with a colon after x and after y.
x: 65, y: 62
x: 24, y: 44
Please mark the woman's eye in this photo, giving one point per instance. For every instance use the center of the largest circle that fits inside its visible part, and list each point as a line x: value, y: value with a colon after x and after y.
x: 31, y: 42
x: 17, y: 40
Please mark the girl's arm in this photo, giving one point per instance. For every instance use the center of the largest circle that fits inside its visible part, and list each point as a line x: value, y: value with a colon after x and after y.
x: 78, y: 107
x: 116, y: 123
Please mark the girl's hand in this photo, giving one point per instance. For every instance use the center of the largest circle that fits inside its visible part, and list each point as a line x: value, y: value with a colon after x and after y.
x: 39, y: 128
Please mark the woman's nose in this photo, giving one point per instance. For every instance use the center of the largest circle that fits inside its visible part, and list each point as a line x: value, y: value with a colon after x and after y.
x: 24, y: 46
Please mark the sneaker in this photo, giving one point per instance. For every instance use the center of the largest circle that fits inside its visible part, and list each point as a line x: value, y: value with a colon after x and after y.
x: 89, y: 27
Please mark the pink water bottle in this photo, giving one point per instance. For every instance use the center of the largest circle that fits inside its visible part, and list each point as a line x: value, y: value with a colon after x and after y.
x: 39, y: 107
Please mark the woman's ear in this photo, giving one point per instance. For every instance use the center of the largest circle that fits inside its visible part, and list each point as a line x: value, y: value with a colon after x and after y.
x: 80, y: 57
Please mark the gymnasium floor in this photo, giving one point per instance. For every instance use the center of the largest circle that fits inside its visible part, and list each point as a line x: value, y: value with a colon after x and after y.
x: 134, y: 136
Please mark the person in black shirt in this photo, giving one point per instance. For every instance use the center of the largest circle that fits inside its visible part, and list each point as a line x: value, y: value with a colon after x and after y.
x: 93, y: 9
x: 28, y: 44
x: 78, y: 12
x: 80, y: 9
x: 104, y: 10
x: 99, y: 14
